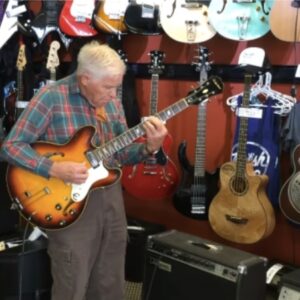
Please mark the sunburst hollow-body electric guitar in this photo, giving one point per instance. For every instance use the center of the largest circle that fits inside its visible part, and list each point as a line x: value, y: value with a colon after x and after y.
x: 52, y: 203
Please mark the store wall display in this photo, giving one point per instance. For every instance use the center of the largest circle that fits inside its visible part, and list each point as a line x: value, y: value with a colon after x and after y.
x: 178, y: 78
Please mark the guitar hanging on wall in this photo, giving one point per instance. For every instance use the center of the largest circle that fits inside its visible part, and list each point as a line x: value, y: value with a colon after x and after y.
x: 155, y: 178
x: 186, y: 21
x: 285, y: 20
x: 241, y: 211
x: 53, y: 60
x: 197, y: 187
x: 75, y: 18
x: 143, y: 18
x: 15, y: 104
x: 51, y: 203
x: 109, y: 16
x: 240, y: 20
x: 289, y: 196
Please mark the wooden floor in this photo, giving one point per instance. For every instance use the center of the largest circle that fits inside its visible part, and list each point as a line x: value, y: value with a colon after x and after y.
x: 133, y: 290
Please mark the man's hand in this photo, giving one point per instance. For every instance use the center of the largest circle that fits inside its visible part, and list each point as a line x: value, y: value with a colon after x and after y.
x: 70, y: 172
x: 156, y: 131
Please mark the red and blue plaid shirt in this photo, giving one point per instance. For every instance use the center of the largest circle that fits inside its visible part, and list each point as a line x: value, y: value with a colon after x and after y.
x: 53, y: 115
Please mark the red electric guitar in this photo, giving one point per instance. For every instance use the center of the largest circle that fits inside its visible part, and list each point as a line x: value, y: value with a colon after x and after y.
x: 157, y: 177
x: 75, y: 18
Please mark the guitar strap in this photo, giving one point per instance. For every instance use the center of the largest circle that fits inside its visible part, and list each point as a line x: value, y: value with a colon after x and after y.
x: 263, y: 146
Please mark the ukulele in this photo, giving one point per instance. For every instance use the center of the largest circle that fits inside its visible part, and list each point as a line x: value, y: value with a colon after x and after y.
x: 155, y: 178
x: 285, y: 20
x: 143, y: 18
x: 240, y: 20
x: 75, y: 18
x: 109, y: 16
x: 186, y: 21
x: 241, y: 211
x: 289, y: 196
x: 53, y: 204
x: 15, y: 103
x: 197, y: 187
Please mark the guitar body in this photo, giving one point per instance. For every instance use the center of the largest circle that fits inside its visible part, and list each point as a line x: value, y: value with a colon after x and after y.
x: 285, y: 26
x: 142, y: 19
x: 193, y: 191
x: 289, y: 196
x: 241, y: 217
x: 186, y: 21
x: 109, y: 16
x: 240, y: 20
x: 48, y: 202
x: 75, y: 18
x: 152, y: 179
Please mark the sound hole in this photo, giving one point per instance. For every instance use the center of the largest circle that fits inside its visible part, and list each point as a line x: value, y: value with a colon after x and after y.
x: 239, y: 185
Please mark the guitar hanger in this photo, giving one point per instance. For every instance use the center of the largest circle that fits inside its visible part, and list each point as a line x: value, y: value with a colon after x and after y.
x: 282, y: 103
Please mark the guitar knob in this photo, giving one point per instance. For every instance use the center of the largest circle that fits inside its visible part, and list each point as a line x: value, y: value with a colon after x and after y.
x: 62, y: 223
x: 48, y: 218
x: 58, y: 206
x: 72, y: 212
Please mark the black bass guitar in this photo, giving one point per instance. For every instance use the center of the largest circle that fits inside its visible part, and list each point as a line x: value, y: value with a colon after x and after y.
x: 197, y: 187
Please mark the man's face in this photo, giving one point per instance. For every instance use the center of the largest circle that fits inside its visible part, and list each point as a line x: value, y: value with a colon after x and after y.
x: 100, y: 91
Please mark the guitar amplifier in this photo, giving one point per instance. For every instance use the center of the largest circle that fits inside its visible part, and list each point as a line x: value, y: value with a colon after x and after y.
x: 182, y: 266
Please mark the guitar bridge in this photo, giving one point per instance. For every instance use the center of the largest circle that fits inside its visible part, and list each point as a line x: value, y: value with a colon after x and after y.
x: 236, y: 219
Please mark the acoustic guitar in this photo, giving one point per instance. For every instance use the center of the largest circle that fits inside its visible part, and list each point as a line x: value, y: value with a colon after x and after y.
x: 75, y: 18
x: 53, y: 204
x: 197, y: 187
x: 186, y: 21
x: 108, y: 16
x: 289, y: 196
x: 240, y: 20
x: 241, y: 211
x: 14, y: 104
x: 156, y: 178
x: 285, y: 20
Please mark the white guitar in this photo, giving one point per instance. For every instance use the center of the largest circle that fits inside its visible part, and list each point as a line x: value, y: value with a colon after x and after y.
x: 9, y: 24
x: 186, y: 21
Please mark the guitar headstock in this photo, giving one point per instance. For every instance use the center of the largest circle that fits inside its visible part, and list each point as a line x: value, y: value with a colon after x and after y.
x: 53, y: 59
x: 21, y: 60
x: 202, y: 63
x: 157, y: 58
x: 210, y: 87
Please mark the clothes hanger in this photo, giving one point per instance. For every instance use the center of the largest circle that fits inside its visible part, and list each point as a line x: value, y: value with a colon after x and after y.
x: 281, y: 103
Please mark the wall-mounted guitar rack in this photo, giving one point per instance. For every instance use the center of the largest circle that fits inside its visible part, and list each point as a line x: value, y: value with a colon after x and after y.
x: 229, y: 73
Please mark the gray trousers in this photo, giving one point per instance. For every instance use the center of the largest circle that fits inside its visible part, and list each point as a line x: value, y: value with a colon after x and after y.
x: 88, y: 257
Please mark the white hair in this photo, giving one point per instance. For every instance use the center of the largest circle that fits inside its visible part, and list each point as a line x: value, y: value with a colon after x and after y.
x: 99, y: 60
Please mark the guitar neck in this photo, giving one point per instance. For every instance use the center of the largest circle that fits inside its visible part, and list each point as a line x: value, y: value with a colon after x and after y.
x: 104, y: 152
x: 20, y: 86
x: 199, y: 168
x: 154, y: 93
x: 52, y: 9
x: 243, y: 130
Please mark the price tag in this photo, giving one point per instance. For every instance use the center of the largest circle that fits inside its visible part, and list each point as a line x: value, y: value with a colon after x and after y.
x: 249, y: 112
